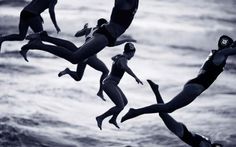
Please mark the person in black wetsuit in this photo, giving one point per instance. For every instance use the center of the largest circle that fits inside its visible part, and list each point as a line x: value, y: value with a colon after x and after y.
x: 30, y: 17
x: 92, y: 61
x: 122, y: 15
x: 110, y: 84
x: 178, y: 128
x: 208, y: 73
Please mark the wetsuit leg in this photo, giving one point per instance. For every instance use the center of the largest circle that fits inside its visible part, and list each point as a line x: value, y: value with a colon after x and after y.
x: 97, y: 64
x: 35, y: 24
x: 23, y: 27
x: 91, y: 47
x: 185, y: 97
x: 113, y: 92
x: 174, y: 126
x: 114, y: 117
x: 76, y: 75
x: 56, y: 50
x: 59, y: 42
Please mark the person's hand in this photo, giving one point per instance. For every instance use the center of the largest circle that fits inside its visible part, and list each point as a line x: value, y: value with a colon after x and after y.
x: 76, y: 34
x: 86, y: 26
x: 58, y: 29
x: 138, y: 81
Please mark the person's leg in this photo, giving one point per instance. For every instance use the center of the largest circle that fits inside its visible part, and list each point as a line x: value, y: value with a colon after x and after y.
x: 56, y: 50
x: 90, y: 48
x: 97, y: 64
x: 59, y: 42
x: 114, y: 117
x: 170, y: 122
x: 185, y: 97
x: 23, y: 27
x: 77, y: 76
x: 114, y: 94
x: 35, y: 24
x: 43, y: 36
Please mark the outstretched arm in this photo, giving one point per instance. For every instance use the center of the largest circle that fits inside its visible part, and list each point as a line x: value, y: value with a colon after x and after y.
x: 176, y: 127
x: 228, y: 52
x: 84, y: 31
x: 123, y: 63
x: 52, y: 14
x: 121, y: 41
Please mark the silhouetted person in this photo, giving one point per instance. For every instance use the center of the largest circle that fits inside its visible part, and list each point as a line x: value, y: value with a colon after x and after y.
x: 110, y: 84
x: 178, y: 128
x: 30, y: 17
x: 208, y: 73
x: 122, y: 15
x: 92, y: 61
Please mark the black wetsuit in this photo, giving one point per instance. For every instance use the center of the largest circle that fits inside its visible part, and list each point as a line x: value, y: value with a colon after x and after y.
x: 117, y: 71
x: 110, y: 86
x: 34, y: 9
x: 193, y: 139
x: 123, y: 18
x: 208, y: 72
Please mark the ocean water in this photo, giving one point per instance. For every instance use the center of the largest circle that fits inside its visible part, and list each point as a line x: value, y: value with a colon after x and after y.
x: 38, y: 109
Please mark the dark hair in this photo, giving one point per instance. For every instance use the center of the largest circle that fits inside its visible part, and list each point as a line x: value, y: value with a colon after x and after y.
x: 101, y: 21
x: 128, y: 49
x: 224, y: 42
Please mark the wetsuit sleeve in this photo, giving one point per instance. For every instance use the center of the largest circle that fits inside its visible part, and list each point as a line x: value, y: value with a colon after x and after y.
x: 228, y: 51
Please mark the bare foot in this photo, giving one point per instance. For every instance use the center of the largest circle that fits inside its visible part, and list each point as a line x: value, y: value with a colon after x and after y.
x: 130, y: 114
x: 62, y: 73
x: 100, y: 94
x: 111, y: 121
x: 99, y: 122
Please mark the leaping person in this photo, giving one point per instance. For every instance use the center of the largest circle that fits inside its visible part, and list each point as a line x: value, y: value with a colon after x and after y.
x: 110, y: 85
x: 178, y: 128
x: 121, y: 17
x: 92, y: 61
x: 30, y: 17
x: 208, y: 73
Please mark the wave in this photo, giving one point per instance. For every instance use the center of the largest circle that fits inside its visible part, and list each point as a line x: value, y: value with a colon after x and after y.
x: 190, y: 48
x: 11, y: 136
x: 13, y: 3
x: 16, y: 69
x: 15, y: 54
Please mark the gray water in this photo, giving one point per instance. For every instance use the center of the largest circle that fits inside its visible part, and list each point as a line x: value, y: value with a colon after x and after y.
x: 38, y: 109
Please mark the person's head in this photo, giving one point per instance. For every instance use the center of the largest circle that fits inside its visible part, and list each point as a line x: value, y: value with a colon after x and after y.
x: 101, y: 21
x: 224, y: 42
x: 129, y: 50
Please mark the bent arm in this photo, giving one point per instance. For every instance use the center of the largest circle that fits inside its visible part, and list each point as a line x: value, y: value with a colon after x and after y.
x: 52, y: 14
x: 121, y: 41
x: 228, y: 52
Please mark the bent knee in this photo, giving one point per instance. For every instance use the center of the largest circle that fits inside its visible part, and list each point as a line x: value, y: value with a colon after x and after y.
x: 105, y: 72
x: 120, y: 107
x: 125, y: 103
x: 77, y: 79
